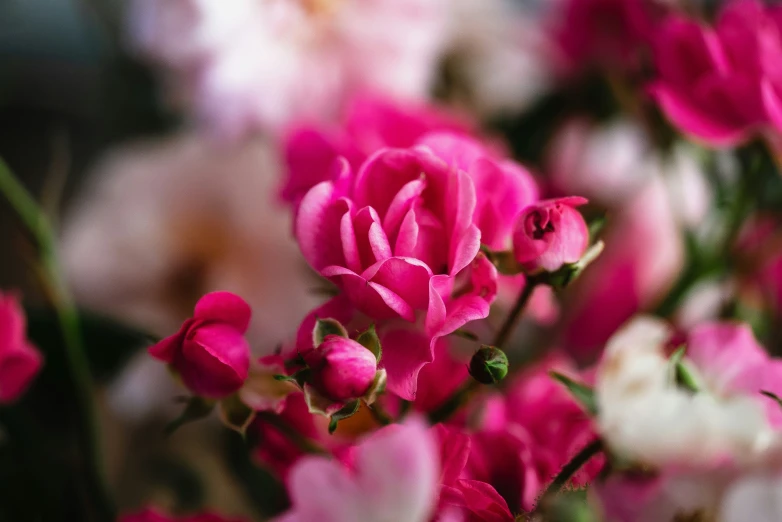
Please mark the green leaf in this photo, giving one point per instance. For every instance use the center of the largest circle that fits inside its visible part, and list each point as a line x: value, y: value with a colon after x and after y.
x: 369, y: 340
x: 346, y: 411
x: 197, y: 408
x: 324, y: 327
x: 582, y: 393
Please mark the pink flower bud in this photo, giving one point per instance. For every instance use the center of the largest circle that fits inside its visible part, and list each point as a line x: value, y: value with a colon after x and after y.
x: 20, y: 361
x: 342, y: 369
x: 210, y: 352
x: 549, y: 234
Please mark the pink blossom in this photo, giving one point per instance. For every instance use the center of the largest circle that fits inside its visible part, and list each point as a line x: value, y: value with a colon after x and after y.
x: 20, y: 361
x: 549, y: 234
x: 721, y: 84
x: 255, y: 65
x: 342, y: 369
x: 393, y: 476
x: 210, y: 352
x: 154, y: 515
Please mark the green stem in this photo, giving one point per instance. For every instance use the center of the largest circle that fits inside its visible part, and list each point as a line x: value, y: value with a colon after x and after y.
x: 513, y: 316
x: 570, y: 469
x: 35, y: 220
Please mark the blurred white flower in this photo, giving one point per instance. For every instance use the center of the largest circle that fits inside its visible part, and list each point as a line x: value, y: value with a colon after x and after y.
x: 643, y: 415
x: 245, y: 65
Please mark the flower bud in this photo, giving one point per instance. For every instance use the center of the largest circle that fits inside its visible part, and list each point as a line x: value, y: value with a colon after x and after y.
x: 549, y: 234
x: 342, y: 369
x: 209, y: 352
x: 489, y: 365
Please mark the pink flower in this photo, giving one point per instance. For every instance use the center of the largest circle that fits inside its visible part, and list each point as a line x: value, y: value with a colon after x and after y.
x: 549, y: 234
x: 154, y: 515
x: 210, y: 352
x: 722, y: 84
x: 342, y: 369
x: 370, y: 124
x: 393, y: 476
x: 20, y: 361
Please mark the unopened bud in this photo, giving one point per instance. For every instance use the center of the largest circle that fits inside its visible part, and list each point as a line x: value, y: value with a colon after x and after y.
x: 489, y: 365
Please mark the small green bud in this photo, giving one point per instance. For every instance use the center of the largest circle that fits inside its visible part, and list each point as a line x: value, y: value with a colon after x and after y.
x: 489, y: 365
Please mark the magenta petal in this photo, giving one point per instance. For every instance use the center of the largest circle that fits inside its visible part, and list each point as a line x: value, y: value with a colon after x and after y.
x: 378, y: 241
x: 224, y: 307
x: 681, y: 111
x: 317, y: 226
x: 373, y: 299
x: 454, y: 451
x: 165, y: 350
x: 309, y: 154
x: 349, y: 243
x: 456, y: 150
x: 460, y: 202
x: 215, y: 361
x: 465, y: 250
x: 406, y: 277
x: 402, y: 203
x: 407, y: 239
x: 405, y: 352
x: 461, y: 311
x: 483, y: 502
x: 18, y: 368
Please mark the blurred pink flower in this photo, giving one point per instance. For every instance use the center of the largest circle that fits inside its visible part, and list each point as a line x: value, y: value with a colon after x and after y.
x: 154, y: 515
x: 370, y: 124
x: 210, y: 352
x: 529, y: 433
x: 392, y: 476
x: 722, y: 84
x: 549, y: 234
x: 643, y: 256
x: 460, y: 495
x: 263, y: 64
x: 20, y: 361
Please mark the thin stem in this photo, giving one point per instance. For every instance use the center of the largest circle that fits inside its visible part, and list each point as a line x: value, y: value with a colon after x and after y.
x: 570, y: 469
x: 35, y: 220
x: 303, y: 443
x: 513, y: 316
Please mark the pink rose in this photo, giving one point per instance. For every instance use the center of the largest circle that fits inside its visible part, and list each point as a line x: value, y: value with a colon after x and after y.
x: 550, y: 234
x: 20, y: 361
x: 721, y: 84
x: 342, y: 369
x: 209, y: 352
